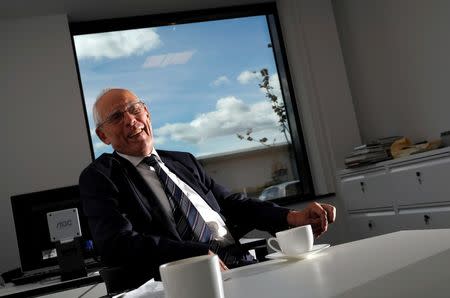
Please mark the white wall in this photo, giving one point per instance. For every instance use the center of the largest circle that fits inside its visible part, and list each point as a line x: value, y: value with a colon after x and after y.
x: 397, y: 59
x: 46, y: 142
x: 321, y: 87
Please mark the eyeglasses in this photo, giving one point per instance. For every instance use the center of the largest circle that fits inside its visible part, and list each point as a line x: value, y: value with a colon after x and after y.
x: 134, y: 108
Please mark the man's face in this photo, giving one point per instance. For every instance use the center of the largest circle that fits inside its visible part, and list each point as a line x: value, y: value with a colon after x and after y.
x: 132, y: 135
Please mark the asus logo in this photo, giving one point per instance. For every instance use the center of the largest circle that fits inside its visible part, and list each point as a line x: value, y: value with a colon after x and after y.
x: 64, y: 224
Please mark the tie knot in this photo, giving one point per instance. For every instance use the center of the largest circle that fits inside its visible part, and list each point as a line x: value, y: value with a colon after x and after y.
x: 150, y: 160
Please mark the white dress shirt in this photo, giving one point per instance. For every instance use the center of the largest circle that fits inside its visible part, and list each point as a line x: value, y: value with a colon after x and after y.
x: 211, y: 217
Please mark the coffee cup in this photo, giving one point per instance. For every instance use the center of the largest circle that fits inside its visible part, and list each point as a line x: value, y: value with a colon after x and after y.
x: 196, y: 277
x: 294, y: 241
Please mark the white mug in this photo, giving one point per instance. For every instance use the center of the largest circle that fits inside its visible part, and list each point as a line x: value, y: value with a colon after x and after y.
x: 293, y: 241
x: 196, y: 277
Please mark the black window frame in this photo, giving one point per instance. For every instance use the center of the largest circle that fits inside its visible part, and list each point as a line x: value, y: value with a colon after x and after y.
x: 270, y: 11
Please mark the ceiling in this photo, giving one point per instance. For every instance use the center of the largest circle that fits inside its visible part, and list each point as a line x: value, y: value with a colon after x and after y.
x: 84, y: 10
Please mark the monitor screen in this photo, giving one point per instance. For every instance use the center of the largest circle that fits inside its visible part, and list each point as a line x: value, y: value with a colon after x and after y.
x: 30, y: 217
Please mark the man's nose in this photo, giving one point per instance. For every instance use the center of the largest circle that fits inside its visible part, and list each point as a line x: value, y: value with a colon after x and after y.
x: 128, y: 118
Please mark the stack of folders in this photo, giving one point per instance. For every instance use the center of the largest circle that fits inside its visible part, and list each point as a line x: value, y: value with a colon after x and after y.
x: 366, y: 156
x: 387, y: 141
x: 370, y: 153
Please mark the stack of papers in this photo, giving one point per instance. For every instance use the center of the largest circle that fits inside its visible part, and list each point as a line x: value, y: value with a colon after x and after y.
x: 366, y: 155
x: 151, y: 289
x: 371, y: 152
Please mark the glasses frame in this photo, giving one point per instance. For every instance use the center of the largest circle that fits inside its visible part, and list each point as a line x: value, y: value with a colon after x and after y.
x: 122, y: 112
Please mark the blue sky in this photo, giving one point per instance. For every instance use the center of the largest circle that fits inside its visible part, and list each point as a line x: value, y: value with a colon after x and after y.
x: 196, y: 79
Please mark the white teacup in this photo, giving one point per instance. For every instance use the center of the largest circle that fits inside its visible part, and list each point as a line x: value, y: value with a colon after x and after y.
x: 196, y: 277
x: 293, y: 241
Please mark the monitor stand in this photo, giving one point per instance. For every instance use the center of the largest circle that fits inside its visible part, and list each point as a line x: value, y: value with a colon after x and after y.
x: 65, y: 231
x: 70, y: 259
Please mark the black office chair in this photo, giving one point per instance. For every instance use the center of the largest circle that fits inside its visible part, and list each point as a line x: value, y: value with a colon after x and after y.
x: 118, y: 279
x: 259, y: 245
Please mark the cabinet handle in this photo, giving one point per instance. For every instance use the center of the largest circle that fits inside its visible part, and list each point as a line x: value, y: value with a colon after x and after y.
x: 426, y: 218
x: 362, y: 186
x: 370, y: 224
x: 419, y: 177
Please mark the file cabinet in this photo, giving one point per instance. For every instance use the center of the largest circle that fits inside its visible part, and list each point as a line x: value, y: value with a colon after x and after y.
x: 407, y: 193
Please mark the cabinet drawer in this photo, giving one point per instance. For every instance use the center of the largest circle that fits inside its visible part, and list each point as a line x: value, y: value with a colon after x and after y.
x: 422, y: 183
x: 367, y: 191
x: 425, y: 218
x: 364, y: 226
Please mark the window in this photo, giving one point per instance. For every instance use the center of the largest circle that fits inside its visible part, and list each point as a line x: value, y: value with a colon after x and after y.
x: 216, y: 85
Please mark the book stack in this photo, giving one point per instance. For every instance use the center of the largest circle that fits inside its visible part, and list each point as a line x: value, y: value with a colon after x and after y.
x: 366, y: 154
x: 370, y: 153
x: 387, y: 142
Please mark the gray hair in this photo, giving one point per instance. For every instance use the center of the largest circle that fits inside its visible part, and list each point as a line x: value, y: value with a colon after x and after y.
x: 95, y: 113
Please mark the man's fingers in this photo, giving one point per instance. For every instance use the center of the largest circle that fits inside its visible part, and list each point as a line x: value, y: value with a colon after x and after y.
x: 316, y: 225
x: 315, y: 214
x: 317, y: 232
x: 223, y: 267
x: 331, y: 212
x: 321, y: 213
x: 324, y: 219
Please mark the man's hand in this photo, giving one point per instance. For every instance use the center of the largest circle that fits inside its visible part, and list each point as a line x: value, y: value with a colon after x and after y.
x: 223, y: 267
x: 316, y: 215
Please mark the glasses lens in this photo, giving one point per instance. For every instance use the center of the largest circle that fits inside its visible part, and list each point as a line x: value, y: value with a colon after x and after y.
x: 135, y: 108
x: 115, y: 118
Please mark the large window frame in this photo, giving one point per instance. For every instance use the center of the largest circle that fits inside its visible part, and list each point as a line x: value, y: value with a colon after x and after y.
x: 270, y: 11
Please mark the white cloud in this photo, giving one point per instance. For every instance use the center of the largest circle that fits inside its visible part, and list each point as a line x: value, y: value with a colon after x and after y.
x: 231, y: 116
x: 222, y: 80
x: 100, y: 145
x: 116, y: 44
x: 246, y: 77
x: 168, y: 59
x: 159, y: 140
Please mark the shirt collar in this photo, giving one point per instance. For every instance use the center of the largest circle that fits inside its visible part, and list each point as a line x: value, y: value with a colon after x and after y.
x: 136, y: 160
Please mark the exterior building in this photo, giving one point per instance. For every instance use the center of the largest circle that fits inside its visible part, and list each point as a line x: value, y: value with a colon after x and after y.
x: 250, y: 171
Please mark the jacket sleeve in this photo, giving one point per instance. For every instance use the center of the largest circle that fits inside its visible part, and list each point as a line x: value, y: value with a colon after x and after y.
x: 242, y: 213
x: 115, y: 238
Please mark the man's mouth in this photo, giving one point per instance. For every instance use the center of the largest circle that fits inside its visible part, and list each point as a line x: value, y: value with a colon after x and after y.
x: 136, y: 132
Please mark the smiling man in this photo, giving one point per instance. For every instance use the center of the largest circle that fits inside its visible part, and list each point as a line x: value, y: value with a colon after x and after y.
x: 146, y: 207
x: 135, y: 138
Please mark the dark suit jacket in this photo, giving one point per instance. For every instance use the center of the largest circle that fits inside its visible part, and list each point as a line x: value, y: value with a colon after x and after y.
x: 131, y: 229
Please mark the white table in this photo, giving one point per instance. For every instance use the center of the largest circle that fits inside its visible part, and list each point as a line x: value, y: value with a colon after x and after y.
x: 402, y: 264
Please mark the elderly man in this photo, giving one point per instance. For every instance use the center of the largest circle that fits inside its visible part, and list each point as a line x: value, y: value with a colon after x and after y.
x: 146, y: 207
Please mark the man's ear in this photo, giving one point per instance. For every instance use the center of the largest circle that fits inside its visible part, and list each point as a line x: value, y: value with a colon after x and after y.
x: 101, y: 134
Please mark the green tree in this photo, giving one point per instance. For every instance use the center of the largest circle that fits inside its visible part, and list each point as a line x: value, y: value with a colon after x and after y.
x: 278, y: 108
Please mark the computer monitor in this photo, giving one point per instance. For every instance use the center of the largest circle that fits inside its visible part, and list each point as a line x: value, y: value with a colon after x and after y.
x: 30, y: 210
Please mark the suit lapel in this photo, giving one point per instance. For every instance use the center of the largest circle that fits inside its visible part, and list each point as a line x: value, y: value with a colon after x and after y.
x: 145, y: 196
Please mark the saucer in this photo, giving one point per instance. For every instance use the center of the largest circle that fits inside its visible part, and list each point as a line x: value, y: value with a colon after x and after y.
x: 315, y: 249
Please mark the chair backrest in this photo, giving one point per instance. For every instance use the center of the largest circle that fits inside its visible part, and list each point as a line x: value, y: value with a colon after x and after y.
x: 259, y: 245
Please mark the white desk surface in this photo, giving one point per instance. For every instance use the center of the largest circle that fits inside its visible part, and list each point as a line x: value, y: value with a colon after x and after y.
x: 403, y: 264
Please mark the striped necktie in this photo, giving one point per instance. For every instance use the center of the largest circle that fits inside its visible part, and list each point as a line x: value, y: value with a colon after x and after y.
x: 189, y: 223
